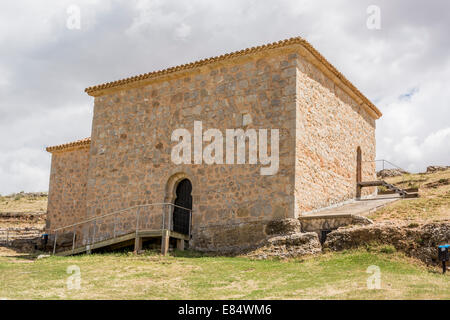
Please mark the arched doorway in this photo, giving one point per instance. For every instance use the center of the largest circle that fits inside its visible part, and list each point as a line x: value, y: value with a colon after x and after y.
x: 358, y: 172
x: 182, y: 217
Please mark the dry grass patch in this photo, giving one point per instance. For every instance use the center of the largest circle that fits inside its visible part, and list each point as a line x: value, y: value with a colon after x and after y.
x: 433, y: 204
x: 24, y: 202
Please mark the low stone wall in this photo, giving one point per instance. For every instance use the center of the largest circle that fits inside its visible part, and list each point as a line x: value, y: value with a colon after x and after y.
x: 283, y: 237
x: 259, y: 239
x: 35, y: 243
x: 229, y: 238
x: 317, y: 223
x: 419, y: 241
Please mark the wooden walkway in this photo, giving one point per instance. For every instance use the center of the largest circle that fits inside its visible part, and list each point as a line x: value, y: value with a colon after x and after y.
x: 128, y: 239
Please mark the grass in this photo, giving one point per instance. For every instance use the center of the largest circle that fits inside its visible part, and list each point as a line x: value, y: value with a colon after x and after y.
x: 188, y: 275
x: 185, y: 275
x: 433, y: 204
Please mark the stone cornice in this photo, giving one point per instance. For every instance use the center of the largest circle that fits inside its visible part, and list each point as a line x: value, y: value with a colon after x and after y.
x: 307, y: 50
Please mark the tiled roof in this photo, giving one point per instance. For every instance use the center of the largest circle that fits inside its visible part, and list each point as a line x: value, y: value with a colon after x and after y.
x: 78, y: 143
x: 297, y: 40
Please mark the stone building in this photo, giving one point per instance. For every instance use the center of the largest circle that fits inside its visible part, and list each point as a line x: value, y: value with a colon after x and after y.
x: 326, y: 144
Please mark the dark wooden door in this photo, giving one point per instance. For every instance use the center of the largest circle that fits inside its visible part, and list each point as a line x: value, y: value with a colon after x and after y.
x: 182, y: 217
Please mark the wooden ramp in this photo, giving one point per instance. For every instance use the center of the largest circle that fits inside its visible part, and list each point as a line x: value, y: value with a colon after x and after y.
x: 127, y: 239
x: 122, y: 227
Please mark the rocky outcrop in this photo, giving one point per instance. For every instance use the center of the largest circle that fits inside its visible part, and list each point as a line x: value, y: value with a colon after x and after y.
x: 432, y: 169
x: 391, y: 173
x: 415, y: 240
x: 283, y: 227
x: 30, y: 244
x: 288, y: 246
x: 280, y: 238
x: 285, y: 240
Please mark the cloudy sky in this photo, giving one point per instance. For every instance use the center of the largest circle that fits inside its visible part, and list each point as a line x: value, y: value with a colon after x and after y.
x: 46, y: 62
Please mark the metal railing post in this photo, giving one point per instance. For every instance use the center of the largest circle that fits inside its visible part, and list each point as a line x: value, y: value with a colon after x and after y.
x: 93, y: 233
x: 190, y: 222
x: 73, y: 240
x: 171, y: 218
x: 54, y: 244
x: 114, y: 229
x: 170, y: 222
x: 163, y: 218
x: 137, y: 220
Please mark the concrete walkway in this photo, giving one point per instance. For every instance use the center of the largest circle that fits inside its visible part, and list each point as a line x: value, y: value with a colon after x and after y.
x: 357, y: 207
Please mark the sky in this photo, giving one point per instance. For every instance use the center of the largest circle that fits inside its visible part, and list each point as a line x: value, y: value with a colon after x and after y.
x: 396, y: 53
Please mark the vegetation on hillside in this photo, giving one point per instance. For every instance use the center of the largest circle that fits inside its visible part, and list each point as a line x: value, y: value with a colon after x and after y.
x: 433, y: 204
x: 24, y: 202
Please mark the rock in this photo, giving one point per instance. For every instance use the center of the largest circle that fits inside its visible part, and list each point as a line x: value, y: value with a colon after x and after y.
x: 63, y: 241
x: 391, y: 173
x: 361, y: 220
x: 432, y: 169
x: 419, y: 241
x: 42, y: 256
x: 283, y: 226
x: 30, y: 244
x: 24, y: 245
x: 288, y: 246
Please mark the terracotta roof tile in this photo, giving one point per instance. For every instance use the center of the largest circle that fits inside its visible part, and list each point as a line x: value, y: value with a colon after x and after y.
x: 297, y: 40
x: 69, y: 145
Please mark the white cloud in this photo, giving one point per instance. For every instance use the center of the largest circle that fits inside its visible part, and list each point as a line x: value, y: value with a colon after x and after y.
x: 417, y: 154
x: 24, y: 163
x: 45, y: 67
x: 24, y: 169
x: 182, y: 31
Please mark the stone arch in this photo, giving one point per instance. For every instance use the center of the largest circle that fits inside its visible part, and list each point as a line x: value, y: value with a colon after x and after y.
x: 171, y: 187
x: 172, y: 183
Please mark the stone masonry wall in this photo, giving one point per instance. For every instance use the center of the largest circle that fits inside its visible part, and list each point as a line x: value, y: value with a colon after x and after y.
x: 330, y: 126
x: 67, y: 191
x: 130, y: 160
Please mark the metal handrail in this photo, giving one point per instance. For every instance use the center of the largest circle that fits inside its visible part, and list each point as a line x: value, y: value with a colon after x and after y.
x: 392, y: 164
x: 21, y: 229
x: 383, y: 161
x: 121, y: 210
x: 11, y: 233
x: 136, y: 229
